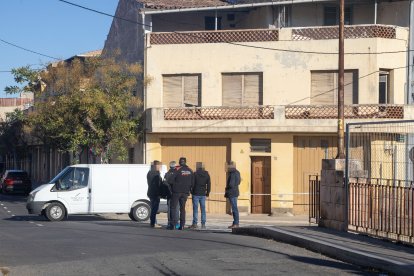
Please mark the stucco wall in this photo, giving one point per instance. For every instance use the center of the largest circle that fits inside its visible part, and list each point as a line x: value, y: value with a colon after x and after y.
x: 286, y: 75
x: 281, y: 162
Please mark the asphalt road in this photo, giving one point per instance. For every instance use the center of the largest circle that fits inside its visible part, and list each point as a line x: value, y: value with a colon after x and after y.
x: 90, y: 245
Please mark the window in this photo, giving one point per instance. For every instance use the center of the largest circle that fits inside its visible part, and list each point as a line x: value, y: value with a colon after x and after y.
x: 210, y: 23
x: 72, y: 179
x: 242, y: 89
x: 331, y: 15
x: 384, y: 87
x: 260, y: 145
x: 324, y: 87
x: 182, y: 90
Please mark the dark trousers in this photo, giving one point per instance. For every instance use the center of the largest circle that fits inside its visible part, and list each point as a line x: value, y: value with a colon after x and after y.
x: 178, y: 199
x: 170, y: 217
x: 155, y: 204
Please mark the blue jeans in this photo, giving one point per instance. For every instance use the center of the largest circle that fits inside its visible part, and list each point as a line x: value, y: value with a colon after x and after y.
x: 196, y: 200
x: 155, y: 204
x: 234, y: 209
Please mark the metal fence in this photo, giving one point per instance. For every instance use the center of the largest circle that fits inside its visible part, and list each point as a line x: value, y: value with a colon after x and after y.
x: 380, y: 177
x: 314, y: 198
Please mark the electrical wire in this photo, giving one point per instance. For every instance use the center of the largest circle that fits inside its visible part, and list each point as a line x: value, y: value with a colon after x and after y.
x: 27, y: 50
x: 234, y: 43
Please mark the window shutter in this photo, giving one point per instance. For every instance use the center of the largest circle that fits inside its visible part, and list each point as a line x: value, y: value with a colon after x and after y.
x: 173, y: 93
x: 232, y: 89
x: 253, y: 94
x: 192, y: 90
x: 323, y: 88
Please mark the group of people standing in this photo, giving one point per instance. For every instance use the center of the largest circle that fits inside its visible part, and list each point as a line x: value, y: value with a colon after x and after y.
x: 178, y: 183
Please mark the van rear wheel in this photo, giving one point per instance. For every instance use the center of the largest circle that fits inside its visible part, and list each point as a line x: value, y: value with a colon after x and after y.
x: 141, y: 212
x: 55, y: 212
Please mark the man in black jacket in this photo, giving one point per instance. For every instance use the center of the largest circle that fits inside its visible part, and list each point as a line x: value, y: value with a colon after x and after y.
x: 168, y: 181
x: 232, y: 191
x: 182, y: 184
x: 154, y: 187
x: 201, y: 190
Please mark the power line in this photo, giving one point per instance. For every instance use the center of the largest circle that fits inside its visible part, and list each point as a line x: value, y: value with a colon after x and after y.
x: 233, y: 43
x: 27, y: 50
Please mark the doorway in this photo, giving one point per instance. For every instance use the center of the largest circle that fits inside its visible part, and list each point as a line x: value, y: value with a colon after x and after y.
x: 261, y: 185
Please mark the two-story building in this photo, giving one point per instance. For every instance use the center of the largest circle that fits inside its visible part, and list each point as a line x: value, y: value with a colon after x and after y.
x: 256, y: 82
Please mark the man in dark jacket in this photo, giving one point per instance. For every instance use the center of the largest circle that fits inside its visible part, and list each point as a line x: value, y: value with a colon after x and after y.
x: 201, y: 190
x: 168, y: 181
x: 181, y: 187
x: 154, y: 188
x: 232, y: 191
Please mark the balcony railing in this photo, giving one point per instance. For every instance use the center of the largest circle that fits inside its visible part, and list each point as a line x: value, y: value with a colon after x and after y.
x: 369, y: 111
x: 219, y: 113
x: 350, y: 32
x: 214, y: 36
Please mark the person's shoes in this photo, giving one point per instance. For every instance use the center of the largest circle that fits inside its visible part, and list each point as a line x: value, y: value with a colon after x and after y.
x: 170, y: 227
x: 233, y: 226
x: 177, y: 226
x: 193, y: 226
x: 181, y: 227
x: 156, y: 226
x: 203, y: 226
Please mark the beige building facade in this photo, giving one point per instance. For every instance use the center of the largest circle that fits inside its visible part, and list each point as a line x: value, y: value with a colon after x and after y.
x: 257, y: 85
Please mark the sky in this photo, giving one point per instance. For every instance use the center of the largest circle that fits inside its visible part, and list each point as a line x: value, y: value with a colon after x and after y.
x: 49, y: 27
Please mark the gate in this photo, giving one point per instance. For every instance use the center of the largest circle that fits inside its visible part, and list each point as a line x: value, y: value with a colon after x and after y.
x: 380, y: 175
x: 314, y: 198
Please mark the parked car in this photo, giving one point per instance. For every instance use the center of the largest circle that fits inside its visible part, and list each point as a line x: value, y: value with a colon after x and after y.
x: 95, y: 189
x: 15, y: 181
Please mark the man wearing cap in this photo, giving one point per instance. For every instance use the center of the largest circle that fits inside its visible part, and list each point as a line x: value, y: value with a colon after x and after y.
x: 182, y: 183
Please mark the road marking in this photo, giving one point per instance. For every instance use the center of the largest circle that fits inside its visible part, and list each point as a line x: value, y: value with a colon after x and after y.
x: 39, y: 224
x: 8, y: 211
x: 5, y: 208
x: 12, y: 215
x: 1, y: 204
x: 31, y: 222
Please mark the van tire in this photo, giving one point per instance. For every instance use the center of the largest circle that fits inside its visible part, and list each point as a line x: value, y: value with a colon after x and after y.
x: 55, y: 212
x: 141, y: 212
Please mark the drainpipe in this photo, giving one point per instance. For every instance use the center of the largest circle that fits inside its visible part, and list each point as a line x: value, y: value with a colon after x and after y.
x: 376, y: 12
x: 410, y: 99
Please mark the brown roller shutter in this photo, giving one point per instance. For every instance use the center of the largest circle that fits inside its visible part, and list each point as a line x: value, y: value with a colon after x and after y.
x: 173, y: 95
x: 192, y: 90
x: 253, y: 94
x: 322, y: 88
x: 232, y: 89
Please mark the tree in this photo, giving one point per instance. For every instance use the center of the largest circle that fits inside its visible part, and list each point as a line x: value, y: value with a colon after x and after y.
x: 83, y: 103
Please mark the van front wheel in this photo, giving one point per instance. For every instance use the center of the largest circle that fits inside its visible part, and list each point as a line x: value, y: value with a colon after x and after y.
x: 55, y: 212
x: 141, y: 212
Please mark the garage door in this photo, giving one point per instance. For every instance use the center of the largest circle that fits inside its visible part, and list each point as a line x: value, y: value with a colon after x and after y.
x: 308, y: 155
x: 213, y: 153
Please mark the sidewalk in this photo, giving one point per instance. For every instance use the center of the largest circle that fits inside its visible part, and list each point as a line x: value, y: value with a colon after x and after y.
x: 352, y: 248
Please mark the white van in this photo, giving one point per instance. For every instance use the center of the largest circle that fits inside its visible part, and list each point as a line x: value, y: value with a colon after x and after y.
x: 95, y: 189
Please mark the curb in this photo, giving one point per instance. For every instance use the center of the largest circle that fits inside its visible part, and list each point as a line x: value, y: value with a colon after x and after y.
x: 356, y: 257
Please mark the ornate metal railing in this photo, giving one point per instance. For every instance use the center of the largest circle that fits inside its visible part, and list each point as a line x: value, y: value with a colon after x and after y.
x: 219, y: 113
x: 369, y: 111
x: 358, y: 31
x: 214, y: 36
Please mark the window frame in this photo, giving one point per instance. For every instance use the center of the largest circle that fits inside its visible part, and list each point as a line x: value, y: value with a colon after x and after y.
x: 183, y: 75
x: 243, y: 86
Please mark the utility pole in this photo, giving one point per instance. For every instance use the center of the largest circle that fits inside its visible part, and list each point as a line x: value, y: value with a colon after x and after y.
x: 341, y: 69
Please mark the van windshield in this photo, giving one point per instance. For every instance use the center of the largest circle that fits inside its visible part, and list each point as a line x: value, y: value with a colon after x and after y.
x: 53, y: 181
x: 72, y: 179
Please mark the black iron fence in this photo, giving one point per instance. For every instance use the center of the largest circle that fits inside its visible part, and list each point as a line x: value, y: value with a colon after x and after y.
x: 382, y: 207
x: 314, y: 198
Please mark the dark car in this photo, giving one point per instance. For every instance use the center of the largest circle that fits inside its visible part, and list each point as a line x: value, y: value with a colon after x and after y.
x: 16, y: 181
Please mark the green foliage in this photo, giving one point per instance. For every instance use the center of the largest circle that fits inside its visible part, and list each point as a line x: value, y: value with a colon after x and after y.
x: 12, y: 135
x: 83, y: 104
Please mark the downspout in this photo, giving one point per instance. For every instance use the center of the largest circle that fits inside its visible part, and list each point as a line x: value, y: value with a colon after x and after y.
x: 375, y: 12
x: 144, y: 90
x: 215, y: 20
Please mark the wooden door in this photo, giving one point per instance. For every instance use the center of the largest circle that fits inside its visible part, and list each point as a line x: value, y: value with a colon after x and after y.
x: 308, y: 154
x: 214, y: 153
x: 261, y: 185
